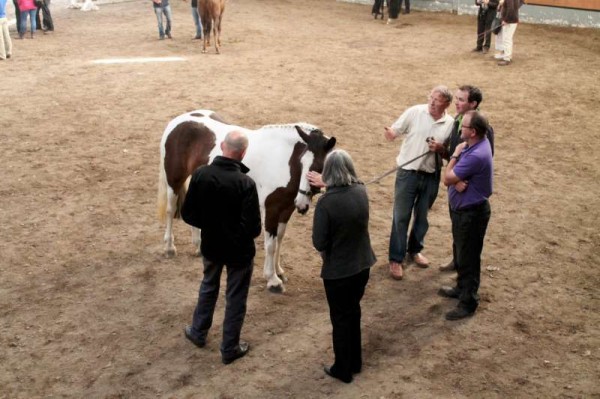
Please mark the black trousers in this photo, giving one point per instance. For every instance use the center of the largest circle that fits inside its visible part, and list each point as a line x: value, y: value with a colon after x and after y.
x: 17, y: 15
x: 468, y: 231
x: 485, y: 18
x: 238, y: 284
x: 343, y: 297
x: 406, y: 5
x: 47, y: 18
x: 394, y: 9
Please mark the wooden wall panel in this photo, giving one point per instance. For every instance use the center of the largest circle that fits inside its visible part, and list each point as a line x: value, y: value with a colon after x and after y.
x: 581, y: 4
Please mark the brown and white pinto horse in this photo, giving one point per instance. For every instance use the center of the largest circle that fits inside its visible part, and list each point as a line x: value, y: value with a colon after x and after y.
x: 279, y: 157
x: 211, y: 14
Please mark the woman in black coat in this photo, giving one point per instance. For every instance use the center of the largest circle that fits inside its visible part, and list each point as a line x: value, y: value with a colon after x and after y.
x: 341, y: 235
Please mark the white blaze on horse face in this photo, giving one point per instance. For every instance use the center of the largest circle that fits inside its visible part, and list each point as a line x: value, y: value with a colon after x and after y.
x: 302, y: 201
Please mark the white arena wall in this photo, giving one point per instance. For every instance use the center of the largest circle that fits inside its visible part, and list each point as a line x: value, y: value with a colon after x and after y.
x: 528, y: 13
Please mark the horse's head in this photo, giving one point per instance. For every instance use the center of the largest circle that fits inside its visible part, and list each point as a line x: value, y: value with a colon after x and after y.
x: 317, y: 147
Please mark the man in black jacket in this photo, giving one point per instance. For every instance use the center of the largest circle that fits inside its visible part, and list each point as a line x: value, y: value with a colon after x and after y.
x: 485, y: 18
x: 223, y: 202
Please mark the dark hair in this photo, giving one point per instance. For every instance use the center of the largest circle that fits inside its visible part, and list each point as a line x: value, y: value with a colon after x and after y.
x: 479, y: 123
x: 474, y: 94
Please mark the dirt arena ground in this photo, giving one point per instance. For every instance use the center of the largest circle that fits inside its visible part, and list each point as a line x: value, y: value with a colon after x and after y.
x: 91, y: 308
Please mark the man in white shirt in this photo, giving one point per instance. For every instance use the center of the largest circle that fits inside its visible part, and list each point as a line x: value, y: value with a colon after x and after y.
x: 417, y: 182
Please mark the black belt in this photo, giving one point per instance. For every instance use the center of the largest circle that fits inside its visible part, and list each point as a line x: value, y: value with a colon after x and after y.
x: 418, y: 172
x: 472, y: 207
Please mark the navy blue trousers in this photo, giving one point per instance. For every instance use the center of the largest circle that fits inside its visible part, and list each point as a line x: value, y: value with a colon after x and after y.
x: 236, y: 294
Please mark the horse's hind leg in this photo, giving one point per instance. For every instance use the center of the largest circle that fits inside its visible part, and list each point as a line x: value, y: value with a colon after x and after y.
x: 169, y: 239
x: 207, y: 29
x: 274, y: 283
x: 217, y: 33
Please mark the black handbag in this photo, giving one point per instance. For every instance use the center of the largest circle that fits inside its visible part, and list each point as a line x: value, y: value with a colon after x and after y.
x: 38, y: 3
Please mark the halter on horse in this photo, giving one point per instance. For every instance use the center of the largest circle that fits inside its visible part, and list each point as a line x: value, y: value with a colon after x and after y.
x: 279, y: 157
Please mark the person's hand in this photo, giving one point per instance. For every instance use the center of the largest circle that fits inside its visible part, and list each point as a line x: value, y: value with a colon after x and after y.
x: 459, y: 149
x: 315, y: 179
x: 434, y: 146
x: 389, y: 134
x: 461, y: 185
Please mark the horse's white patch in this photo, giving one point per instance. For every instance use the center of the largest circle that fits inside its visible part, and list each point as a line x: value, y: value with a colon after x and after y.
x: 137, y: 60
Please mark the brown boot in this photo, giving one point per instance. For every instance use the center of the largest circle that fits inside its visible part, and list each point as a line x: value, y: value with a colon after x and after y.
x: 32, y: 35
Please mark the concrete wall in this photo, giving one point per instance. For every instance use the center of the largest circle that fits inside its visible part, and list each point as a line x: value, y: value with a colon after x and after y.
x: 528, y: 13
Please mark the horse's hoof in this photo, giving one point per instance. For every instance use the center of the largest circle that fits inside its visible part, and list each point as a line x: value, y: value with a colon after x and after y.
x: 170, y: 253
x: 276, y: 289
x: 283, y: 277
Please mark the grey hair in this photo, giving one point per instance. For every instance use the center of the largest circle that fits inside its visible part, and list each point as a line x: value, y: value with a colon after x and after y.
x: 339, y: 170
x: 444, y: 91
x: 236, y: 141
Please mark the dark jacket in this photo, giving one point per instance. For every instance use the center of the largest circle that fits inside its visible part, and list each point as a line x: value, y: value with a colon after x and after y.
x: 341, y: 232
x: 510, y: 11
x: 492, y: 4
x: 454, y: 139
x: 222, y: 201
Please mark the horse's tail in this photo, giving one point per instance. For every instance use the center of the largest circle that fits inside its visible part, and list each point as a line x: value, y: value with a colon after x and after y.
x: 162, y: 191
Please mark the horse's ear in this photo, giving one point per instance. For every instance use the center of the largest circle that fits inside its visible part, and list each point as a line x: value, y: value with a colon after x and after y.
x: 330, y: 144
x: 302, y: 133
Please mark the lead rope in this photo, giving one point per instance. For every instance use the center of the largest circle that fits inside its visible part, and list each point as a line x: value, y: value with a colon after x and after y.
x: 389, y: 172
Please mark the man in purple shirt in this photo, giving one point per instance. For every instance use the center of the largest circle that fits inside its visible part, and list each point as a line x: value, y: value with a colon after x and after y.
x: 469, y: 176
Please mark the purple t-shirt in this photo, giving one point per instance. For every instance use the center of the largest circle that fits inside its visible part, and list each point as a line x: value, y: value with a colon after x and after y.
x: 474, y: 166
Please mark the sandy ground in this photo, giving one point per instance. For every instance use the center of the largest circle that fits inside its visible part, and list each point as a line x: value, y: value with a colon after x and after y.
x: 90, y: 307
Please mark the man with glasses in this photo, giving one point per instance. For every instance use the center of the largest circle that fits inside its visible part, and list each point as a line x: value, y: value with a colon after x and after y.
x: 417, y: 182
x: 469, y: 177
x: 467, y: 98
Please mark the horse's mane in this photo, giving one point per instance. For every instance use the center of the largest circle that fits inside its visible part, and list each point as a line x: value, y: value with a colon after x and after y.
x: 305, y: 126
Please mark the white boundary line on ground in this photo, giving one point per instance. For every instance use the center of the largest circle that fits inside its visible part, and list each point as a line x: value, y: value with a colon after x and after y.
x: 137, y: 60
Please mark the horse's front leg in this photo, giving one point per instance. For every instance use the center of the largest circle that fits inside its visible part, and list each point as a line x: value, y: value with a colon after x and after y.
x: 274, y: 283
x: 169, y: 239
x: 196, y: 240
x: 280, y: 234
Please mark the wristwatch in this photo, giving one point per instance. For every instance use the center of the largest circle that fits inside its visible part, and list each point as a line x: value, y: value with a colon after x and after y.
x: 454, y: 157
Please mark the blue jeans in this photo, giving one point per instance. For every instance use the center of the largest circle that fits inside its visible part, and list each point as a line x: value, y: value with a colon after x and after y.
x: 197, y: 22
x: 24, y: 14
x: 159, y: 11
x: 415, y: 194
x: 236, y: 294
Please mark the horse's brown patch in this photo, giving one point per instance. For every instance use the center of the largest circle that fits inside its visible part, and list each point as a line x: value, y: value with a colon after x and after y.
x: 187, y: 147
x: 218, y: 118
x: 279, y: 205
x: 197, y: 114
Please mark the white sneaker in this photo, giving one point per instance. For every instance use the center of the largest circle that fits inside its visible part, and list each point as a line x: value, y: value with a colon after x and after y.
x: 499, y: 56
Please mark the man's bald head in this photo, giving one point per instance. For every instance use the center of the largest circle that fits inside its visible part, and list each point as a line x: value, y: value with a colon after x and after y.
x: 235, y: 145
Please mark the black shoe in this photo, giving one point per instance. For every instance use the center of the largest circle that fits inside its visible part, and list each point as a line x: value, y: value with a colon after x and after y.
x: 449, y: 292
x: 459, y: 313
x: 241, y: 351
x: 477, y: 50
x: 330, y: 373
x: 189, y: 334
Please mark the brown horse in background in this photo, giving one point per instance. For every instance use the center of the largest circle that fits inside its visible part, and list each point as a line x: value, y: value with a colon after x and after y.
x: 211, y: 13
